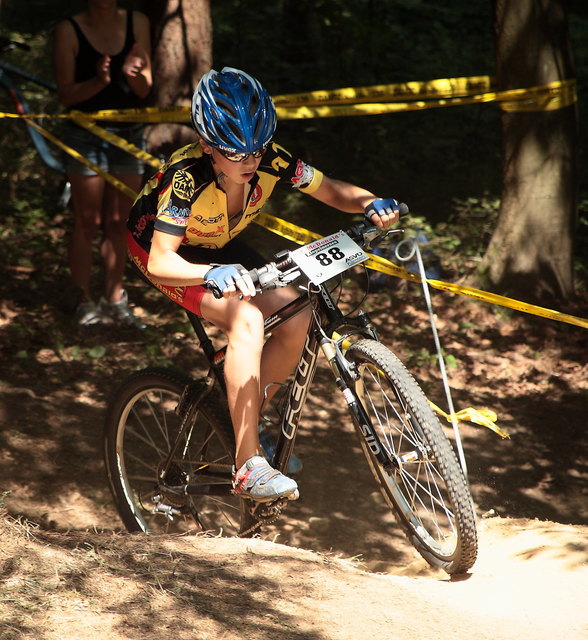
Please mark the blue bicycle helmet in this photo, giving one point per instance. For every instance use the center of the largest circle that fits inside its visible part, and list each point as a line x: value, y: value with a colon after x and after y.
x: 233, y: 112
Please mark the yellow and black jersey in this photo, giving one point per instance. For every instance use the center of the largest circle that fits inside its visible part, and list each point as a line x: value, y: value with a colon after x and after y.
x: 185, y: 199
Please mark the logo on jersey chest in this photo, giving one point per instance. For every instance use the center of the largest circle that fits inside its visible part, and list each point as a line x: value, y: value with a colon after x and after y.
x: 183, y: 185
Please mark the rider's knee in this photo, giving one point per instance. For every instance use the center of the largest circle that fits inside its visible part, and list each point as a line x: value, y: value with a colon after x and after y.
x: 246, y: 325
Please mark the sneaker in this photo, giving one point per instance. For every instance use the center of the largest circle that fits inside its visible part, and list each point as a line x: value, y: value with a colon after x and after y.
x: 121, y: 312
x: 262, y: 483
x: 268, y: 447
x: 87, y: 313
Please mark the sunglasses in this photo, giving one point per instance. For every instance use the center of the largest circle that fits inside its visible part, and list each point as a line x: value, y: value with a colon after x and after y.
x: 234, y: 156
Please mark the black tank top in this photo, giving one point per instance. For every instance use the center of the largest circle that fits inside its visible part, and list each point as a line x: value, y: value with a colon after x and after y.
x: 116, y: 95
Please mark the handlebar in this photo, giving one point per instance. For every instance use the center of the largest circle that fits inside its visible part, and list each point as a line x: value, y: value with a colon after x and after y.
x: 283, y: 270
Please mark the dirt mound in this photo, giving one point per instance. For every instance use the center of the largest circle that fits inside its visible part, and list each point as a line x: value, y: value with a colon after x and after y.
x: 530, y: 582
x: 342, y: 568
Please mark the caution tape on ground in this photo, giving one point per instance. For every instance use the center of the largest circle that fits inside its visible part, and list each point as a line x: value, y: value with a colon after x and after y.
x: 484, y: 417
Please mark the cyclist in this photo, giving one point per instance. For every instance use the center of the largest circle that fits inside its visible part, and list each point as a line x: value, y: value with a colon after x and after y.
x: 182, y: 238
x: 102, y: 61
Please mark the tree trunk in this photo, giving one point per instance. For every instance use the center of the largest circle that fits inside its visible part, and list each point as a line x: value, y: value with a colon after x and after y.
x: 531, y: 251
x: 182, y: 53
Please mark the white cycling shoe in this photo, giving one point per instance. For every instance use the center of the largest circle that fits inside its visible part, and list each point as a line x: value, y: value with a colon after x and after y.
x: 260, y: 482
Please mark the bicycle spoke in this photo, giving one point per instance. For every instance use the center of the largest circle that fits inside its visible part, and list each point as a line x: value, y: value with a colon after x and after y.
x: 438, y: 516
x: 147, y: 483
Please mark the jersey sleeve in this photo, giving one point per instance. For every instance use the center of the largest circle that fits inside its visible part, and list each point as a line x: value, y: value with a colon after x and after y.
x: 296, y: 172
x: 174, y: 202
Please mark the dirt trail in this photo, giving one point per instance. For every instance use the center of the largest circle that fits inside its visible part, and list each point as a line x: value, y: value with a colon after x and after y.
x: 530, y: 582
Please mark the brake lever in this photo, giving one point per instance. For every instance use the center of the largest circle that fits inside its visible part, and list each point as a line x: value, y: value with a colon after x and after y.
x: 373, y: 242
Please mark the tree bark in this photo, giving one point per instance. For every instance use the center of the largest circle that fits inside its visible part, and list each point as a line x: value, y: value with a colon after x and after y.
x: 530, y: 254
x: 182, y: 53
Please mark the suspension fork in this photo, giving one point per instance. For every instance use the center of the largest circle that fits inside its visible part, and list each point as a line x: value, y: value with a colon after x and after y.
x: 344, y: 378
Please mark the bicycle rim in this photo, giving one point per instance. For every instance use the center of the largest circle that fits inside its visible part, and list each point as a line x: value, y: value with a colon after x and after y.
x: 424, y: 484
x: 141, y: 427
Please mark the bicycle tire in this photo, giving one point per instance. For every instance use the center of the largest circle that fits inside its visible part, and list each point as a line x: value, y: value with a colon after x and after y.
x: 141, y: 425
x: 425, y: 486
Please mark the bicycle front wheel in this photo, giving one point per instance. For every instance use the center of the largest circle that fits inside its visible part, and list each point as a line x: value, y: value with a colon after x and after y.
x: 142, y: 427
x: 423, y: 481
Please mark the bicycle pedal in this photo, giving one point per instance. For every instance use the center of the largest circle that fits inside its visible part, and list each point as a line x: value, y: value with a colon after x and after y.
x: 269, y: 511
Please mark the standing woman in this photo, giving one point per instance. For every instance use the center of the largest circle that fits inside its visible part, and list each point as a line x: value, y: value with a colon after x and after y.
x: 102, y: 60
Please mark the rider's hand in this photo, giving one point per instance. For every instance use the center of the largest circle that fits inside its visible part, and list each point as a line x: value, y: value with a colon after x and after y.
x: 382, y: 212
x: 228, y: 280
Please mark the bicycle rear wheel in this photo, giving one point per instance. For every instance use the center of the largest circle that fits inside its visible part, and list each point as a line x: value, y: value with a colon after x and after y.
x: 424, y: 483
x: 141, y: 428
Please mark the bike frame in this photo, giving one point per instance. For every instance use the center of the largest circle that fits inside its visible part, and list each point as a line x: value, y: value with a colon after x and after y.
x: 327, y: 320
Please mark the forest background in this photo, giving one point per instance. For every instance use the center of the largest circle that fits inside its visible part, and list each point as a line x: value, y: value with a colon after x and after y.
x: 444, y: 162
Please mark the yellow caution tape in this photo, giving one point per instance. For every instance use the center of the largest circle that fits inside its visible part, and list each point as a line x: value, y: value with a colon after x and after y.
x: 443, y: 92
x: 285, y: 229
x: 146, y: 115
x: 549, y: 97
x: 441, y: 88
x: 483, y: 417
x: 555, y: 95
x: 503, y: 301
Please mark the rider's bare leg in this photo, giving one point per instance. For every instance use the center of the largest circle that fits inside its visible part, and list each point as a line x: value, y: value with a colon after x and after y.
x: 242, y: 322
x: 249, y: 365
x: 282, y: 349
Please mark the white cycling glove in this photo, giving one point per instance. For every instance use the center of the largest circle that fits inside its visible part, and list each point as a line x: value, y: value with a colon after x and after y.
x: 223, y: 277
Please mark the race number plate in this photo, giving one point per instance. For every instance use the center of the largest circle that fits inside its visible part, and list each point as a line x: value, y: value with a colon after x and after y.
x: 325, y: 258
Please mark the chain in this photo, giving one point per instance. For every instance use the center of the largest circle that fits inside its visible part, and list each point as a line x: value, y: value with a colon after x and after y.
x: 265, y: 514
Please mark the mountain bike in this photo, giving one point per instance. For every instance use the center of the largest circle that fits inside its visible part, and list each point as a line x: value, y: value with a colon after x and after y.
x: 169, y: 443
x: 10, y: 75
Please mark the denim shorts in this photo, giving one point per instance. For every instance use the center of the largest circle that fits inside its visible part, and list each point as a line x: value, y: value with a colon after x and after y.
x: 101, y: 153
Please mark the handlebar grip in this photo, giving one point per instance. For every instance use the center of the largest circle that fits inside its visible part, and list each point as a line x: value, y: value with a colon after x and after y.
x: 403, y: 209
x: 254, y: 275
